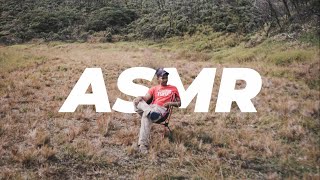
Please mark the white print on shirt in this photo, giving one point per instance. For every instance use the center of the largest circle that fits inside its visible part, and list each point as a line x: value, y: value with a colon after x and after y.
x: 163, y: 93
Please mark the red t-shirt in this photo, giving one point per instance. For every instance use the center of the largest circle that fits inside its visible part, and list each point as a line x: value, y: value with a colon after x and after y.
x: 162, y: 94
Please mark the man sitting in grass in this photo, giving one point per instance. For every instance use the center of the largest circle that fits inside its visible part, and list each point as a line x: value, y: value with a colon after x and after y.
x: 163, y: 97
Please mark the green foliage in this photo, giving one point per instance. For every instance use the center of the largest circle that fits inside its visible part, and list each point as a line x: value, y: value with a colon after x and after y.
x: 65, y: 20
x: 231, y: 28
x: 58, y: 25
x: 311, y: 37
x: 78, y: 20
x: 219, y: 27
x: 115, y: 18
x: 288, y: 57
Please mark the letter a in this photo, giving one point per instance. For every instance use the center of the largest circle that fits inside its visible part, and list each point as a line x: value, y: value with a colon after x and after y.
x: 78, y: 96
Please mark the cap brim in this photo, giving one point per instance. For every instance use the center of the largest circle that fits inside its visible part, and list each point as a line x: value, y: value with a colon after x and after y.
x: 164, y: 73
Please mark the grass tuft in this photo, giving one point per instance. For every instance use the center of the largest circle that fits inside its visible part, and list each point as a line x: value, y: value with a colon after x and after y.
x: 288, y: 57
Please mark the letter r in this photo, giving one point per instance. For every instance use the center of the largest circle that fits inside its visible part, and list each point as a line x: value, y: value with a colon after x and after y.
x: 228, y: 93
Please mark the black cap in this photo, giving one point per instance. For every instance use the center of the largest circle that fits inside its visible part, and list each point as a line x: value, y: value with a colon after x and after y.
x: 161, y: 72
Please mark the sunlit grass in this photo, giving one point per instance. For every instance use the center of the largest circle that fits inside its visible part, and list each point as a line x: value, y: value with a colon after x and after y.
x: 14, y: 57
x: 279, y: 141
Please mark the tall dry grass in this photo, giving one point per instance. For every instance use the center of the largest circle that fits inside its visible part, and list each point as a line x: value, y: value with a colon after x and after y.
x: 281, y: 140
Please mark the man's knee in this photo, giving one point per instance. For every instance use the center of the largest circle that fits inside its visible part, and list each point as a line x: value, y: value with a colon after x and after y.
x: 136, y: 101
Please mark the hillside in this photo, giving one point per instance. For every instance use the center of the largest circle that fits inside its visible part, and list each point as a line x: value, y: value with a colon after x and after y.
x: 130, y: 20
x: 280, y: 141
x: 45, y: 45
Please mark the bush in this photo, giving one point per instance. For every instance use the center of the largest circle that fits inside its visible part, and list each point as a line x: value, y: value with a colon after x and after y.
x: 116, y: 18
x: 249, y: 27
x: 219, y: 27
x: 170, y: 33
x: 182, y: 25
x: 192, y: 29
x: 311, y: 37
x: 45, y: 23
x: 295, y: 28
x: 288, y: 57
x: 147, y: 30
x: 160, y: 30
x: 231, y: 28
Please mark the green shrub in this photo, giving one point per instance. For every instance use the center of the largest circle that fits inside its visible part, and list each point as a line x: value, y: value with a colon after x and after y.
x: 110, y: 17
x: 231, y: 28
x: 219, y: 26
x: 311, y: 37
x: 160, y: 30
x: 288, y: 57
x: 295, y: 28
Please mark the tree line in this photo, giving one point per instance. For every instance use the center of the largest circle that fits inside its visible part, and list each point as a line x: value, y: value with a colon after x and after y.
x: 23, y: 20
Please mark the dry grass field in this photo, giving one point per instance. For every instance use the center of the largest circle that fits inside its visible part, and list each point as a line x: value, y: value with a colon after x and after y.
x: 280, y: 141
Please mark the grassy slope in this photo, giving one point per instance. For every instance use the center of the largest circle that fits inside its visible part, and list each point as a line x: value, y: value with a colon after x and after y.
x: 280, y: 140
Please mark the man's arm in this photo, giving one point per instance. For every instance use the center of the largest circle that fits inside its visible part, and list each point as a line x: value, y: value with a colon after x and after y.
x: 147, y: 97
x: 176, y: 103
x: 140, y: 98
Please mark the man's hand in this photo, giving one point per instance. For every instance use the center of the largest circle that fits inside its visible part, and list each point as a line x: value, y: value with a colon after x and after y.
x: 167, y: 104
x: 137, y: 100
x: 140, y: 98
x: 175, y: 104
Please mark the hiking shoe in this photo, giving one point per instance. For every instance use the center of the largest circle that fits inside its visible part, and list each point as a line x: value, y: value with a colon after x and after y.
x: 143, y: 149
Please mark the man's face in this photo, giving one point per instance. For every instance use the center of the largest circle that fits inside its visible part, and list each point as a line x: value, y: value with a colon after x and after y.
x: 163, y: 80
